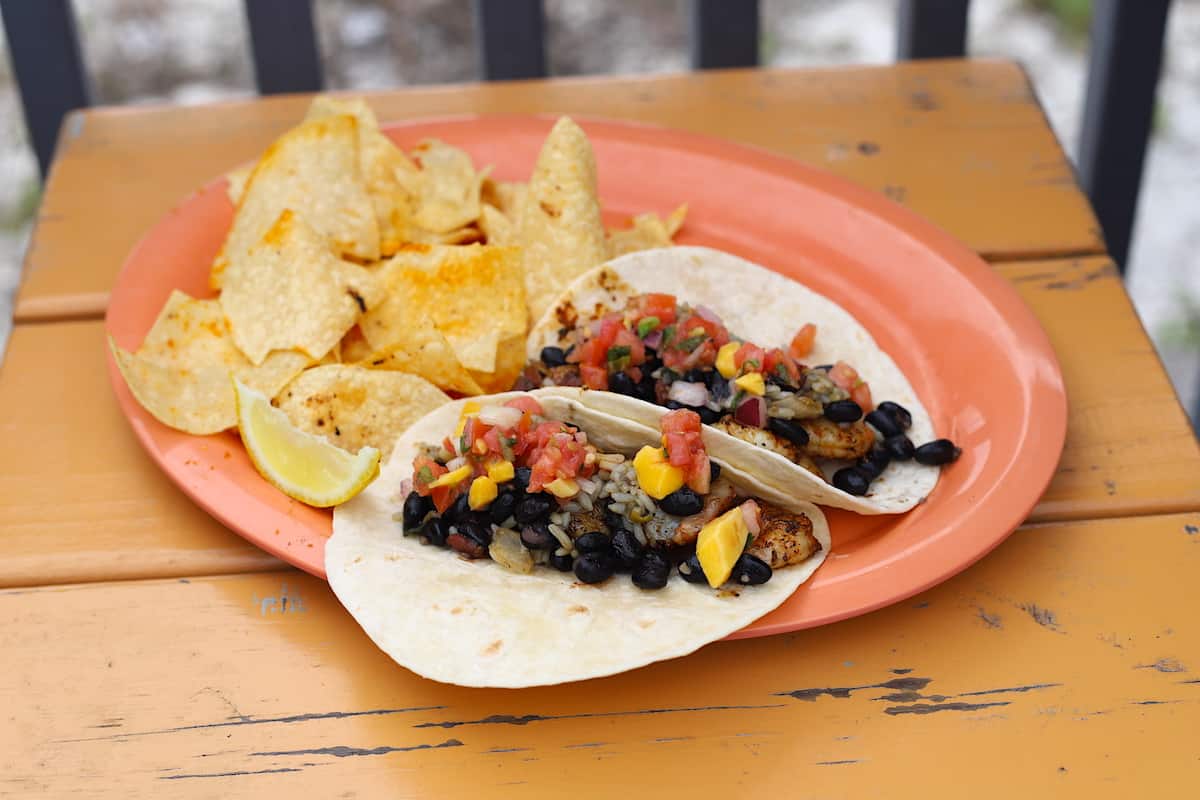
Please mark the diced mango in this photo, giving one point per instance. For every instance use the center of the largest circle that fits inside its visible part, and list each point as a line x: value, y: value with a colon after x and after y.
x: 725, y: 364
x: 501, y: 471
x: 720, y: 544
x: 751, y: 383
x: 469, y: 409
x: 483, y: 492
x: 657, y: 476
x: 452, y: 478
x: 562, y: 487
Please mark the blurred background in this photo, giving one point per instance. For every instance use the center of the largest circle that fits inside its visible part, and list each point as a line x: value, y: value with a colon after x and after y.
x: 197, y: 51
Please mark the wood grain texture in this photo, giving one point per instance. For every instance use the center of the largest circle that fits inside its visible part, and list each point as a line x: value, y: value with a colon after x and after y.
x: 1064, y: 664
x: 81, y: 500
x: 962, y: 142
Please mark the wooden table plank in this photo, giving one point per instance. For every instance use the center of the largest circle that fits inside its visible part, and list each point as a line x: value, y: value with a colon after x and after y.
x: 1129, y: 447
x: 964, y: 143
x: 81, y: 500
x: 1064, y: 664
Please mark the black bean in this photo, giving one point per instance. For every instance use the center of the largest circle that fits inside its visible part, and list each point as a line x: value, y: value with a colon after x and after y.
x: 896, y: 412
x: 652, y: 571
x: 843, y: 411
x: 470, y: 539
x: 683, y: 502
x: 937, y: 452
x: 645, y: 389
x: 521, y: 478
x: 594, y: 568
x: 883, y: 422
x: 674, y: 405
x: 502, y: 507
x: 691, y: 571
x: 825, y: 367
x: 696, y: 376
x: 652, y: 361
x: 626, y: 548
x: 899, y: 447
x: 714, y: 470
x: 719, y: 388
x: 436, y: 531
x: 533, y: 508
x: 594, y: 542
x: 415, y: 509
x: 553, y: 356
x: 614, y: 522
x: 875, y: 462
x: 707, y: 415
x: 562, y: 563
x: 789, y: 429
x: 750, y: 570
x: 460, y: 509
x: 537, y: 536
x: 852, y: 480
x: 621, y: 383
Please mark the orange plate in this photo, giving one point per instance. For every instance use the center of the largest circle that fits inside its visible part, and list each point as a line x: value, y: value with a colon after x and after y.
x: 972, y: 349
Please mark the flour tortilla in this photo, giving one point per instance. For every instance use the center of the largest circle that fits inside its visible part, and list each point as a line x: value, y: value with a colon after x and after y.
x: 767, y: 309
x: 474, y: 623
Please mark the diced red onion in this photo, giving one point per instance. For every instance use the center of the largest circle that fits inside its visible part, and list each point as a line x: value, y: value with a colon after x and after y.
x: 750, y: 514
x: 690, y: 394
x: 753, y: 412
x: 704, y: 312
x: 455, y: 463
x: 406, y: 487
x: 654, y: 340
x: 501, y: 417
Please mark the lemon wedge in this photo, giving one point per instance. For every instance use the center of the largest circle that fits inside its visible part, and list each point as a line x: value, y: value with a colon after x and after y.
x: 302, y: 466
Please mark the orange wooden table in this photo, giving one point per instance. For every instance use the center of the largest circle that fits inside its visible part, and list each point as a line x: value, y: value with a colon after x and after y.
x: 149, y: 652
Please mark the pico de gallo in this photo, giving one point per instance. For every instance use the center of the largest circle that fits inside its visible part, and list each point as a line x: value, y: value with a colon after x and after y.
x: 662, y: 351
x: 529, y: 491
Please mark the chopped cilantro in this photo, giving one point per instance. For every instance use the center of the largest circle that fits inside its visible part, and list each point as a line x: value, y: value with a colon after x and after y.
x: 647, y: 326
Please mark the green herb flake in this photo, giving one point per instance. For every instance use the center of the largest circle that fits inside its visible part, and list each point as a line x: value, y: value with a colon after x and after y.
x: 692, y: 342
x: 647, y: 326
x: 425, y: 475
x: 618, y: 352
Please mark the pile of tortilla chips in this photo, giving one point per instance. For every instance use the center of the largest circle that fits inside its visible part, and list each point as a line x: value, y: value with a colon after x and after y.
x: 358, y: 283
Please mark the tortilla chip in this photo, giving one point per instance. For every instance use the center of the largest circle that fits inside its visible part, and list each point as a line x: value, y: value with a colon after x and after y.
x: 646, y: 233
x: 354, y: 346
x: 559, y: 220
x: 380, y: 161
x: 504, y: 196
x: 447, y: 187
x: 182, y: 372
x: 473, y: 294
x: 237, y: 179
x: 291, y: 293
x: 312, y: 170
x: 425, y: 352
x: 354, y: 407
x: 510, y: 360
x: 496, y: 228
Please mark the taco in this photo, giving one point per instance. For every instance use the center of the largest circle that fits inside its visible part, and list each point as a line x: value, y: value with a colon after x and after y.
x: 524, y: 539
x: 690, y: 327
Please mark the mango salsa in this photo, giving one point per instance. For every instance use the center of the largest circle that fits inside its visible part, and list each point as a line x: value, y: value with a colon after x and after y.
x: 469, y: 409
x: 562, y: 487
x: 657, y: 477
x: 725, y: 364
x: 501, y: 471
x: 483, y: 492
x: 751, y: 382
x: 720, y: 544
x: 452, y: 478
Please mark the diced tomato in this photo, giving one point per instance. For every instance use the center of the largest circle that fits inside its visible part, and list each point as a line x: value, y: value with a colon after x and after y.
x: 474, y: 429
x: 802, y: 342
x: 561, y: 456
x: 425, y: 471
x: 715, y: 330
x: 655, y: 305
x: 780, y: 364
x: 685, y: 447
x: 861, y: 394
x: 526, y: 404
x: 449, y: 446
x: 699, y: 474
x: 594, y: 377
x: 844, y: 375
x: 681, y: 420
x: 444, y: 496
x: 637, y: 350
x: 751, y: 353
x: 492, y: 439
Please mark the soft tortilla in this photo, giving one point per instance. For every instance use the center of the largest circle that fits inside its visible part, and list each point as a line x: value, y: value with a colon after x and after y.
x: 766, y: 308
x: 474, y: 623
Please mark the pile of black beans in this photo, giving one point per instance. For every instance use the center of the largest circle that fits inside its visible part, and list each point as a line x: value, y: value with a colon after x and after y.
x: 891, y: 420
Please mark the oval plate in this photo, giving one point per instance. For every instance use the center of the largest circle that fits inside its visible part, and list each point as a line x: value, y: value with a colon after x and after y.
x: 972, y: 349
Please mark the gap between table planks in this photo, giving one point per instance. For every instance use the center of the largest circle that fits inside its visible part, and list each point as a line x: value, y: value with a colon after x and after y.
x: 964, y: 143
x: 1064, y: 663
x: 83, y: 502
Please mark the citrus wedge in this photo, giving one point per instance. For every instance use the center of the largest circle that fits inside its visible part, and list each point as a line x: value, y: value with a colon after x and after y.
x: 303, y: 466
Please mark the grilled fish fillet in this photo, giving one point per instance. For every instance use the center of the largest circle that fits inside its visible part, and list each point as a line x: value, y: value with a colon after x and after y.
x: 828, y: 439
x: 783, y: 538
x: 761, y: 437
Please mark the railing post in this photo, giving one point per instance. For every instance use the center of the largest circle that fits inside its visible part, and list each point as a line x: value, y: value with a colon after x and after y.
x: 45, y: 56
x: 510, y: 36
x: 283, y: 41
x: 931, y: 29
x: 1127, y: 43
x: 724, y: 33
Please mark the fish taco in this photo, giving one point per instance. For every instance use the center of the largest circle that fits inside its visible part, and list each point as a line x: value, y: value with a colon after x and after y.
x: 525, y: 539
x: 792, y: 389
